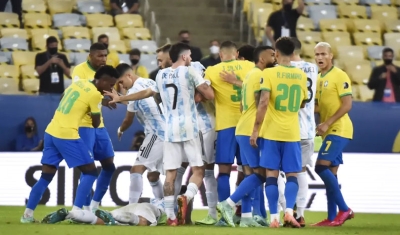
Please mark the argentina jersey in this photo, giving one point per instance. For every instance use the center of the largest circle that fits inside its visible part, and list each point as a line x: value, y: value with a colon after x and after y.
x: 306, y: 114
x: 177, y: 87
x: 147, y: 111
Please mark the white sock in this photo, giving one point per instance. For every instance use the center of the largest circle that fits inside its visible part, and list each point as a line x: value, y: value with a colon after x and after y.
x: 158, y: 190
x: 301, y: 200
x: 136, y: 188
x: 94, y: 205
x: 247, y: 215
x: 191, y: 191
x: 86, y: 208
x: 211, y: 192
x: 82, y: 216
x: 289, y: 210
x: 169, y: 202
x: 75, y: 208
x: 281, y: 188
x: 178, y: 182
x: 230, y: 202
x: 274, y: 217
x: 239, y: 203
x: 28, y: 213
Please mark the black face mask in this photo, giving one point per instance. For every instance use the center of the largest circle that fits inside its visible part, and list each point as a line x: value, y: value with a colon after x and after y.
x: 287, y: 6
x: 29, y: 129
x: 53, y: 50
x: 134, y: 61
x: 387, y: 61
x: 185, y: 41
x: 106, y: 45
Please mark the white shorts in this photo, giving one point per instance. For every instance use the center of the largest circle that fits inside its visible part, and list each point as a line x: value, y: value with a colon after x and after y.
x: 187, y: 151
x: 150, y: 154
x: 208, y: 142
x: 307, y: 151
x: 146, y: 210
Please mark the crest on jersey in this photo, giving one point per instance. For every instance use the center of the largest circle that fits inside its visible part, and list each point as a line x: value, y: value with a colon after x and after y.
x: 261, y: 80
x: 325, y: 83
x: 345, y: 85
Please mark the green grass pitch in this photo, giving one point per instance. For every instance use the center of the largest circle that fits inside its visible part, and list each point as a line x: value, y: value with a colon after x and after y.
x: 362, y: 224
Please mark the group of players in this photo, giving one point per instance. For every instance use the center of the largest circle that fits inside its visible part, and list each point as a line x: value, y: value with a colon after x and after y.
x: 260, y: 112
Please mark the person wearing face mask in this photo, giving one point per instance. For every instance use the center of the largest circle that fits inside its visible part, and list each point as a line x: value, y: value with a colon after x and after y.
x: 283, y: 22
x: 51, y: 67
x: 213, y: 58
x: 29, y: 140
x: 112, y: 56
x: 134, y: 57
x: 385, y: 79
x: 184, y: 37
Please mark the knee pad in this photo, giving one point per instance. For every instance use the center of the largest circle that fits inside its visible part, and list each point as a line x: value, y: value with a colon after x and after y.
x: 47, y: 176
x: 292, y: 179
x: 92, y: 173
x: 271, y: 181
x: 109, y: 167
x: 320, y: 168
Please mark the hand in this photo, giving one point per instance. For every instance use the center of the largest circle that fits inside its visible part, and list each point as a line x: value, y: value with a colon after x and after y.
x: 122, y: 90
x: 391, y: 68
x: 106, y: 103
x: 119, y: 133
x: 383, y: 75
x: 55, y: 60
x: 322, y: 128
x: 253, y: 139
x: 228, y: 77
x: 114, y: 96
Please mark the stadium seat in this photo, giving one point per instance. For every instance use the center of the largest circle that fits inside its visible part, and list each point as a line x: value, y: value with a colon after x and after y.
x: 124, y: 58
x: 392, y: 26
x: 336, y: 39
x: 246, y: 4
x: 77, y: 58
x: 366, y: 94
x: 99, y: 20
x: 13, y: 44
x: 309, y: 37
x: 45, y: 33
x: 23, y: 57
x: 375, y: 2
x: 352, y: 12
x: 8, y: 85
x: 9, y: 20
x: 345, y: 2
x: 367, y: 39
x: 117, y: 46
x: 68, y: 81
x: 37, y: 20
x: 66, y: 19
x: 136, y: 34
x: 350, y: 53
x: 34, y: 6
x: 38, y: 42
x: 396, y: 3
x: 14, y: 33
x: 28, y: 71
x: 367, y: 26
x: 383, y: 13
x: 77, y: 45
x: 307, y: 52
x: 31, y: 85
x: 358, y: 71
x: 111, y: 32
x: 75, y: 32
x: 318, y: 13
x: 149, y: 61
x: 259, y: 13
x: 90, y: 7
x: 317, y: 2
x: 305, y: 24
x: 333, y: 25
x: 9, y: 71
x: 375, y: 52
x: 392, y: 39
x: 128, y: 21
x: 60, y: 6
x: 4, y: 60
x: 145, y: 46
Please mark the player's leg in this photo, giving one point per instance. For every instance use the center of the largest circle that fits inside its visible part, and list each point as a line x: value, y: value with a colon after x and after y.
x: 291, y: 165
x: 85, y: 217
x: 154, y: 165
x: 178, y: 180
x: 50, y: 160
x: 281, y: 189
x: 307, y: 150
x: 157, y: 186
x: 136, y: 183
x: 104, y: 152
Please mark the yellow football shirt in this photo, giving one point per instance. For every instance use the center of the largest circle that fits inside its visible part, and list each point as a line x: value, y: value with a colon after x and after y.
x: 251, y: 85
x: 79, y: 99
x: 112, y: 59
x: 141, y: 71
x: 227, y: 96
x: 84, y: 71
x: 288, y: 89
x: 330, y: 88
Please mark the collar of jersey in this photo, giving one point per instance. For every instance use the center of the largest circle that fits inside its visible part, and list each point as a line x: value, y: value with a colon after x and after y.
x: 323, y: 75
x: 287, y: 66
x: 90, y: 66
x: 226, y: 61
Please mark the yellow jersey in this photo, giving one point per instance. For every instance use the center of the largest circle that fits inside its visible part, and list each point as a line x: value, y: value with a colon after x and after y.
x: 141, y: 71
x: 112, y: 59
x: 84, y: 71
x: 79, y: 99
x: 288, y: 89
x: 330, y: 88
x: 251, y: 85
x: 227, y: 96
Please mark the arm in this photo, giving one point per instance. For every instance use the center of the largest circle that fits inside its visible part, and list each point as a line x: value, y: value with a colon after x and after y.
x: 395, y: 74
x: 134, y: 8
x: 95, y: 109
x: 115, y: 6
x: 206, y: 91
x: 131, y: 97
x: 257, y: 97
x: 65, y: 66
x: 374, y: 79
x: 41, y: 68
x: 126, y: 123
x: 241, y: 106
x: 300, y: 7
x: 231, y: 78
x: 344, y: 108
x: 268, y: 33
x: 261, y: 110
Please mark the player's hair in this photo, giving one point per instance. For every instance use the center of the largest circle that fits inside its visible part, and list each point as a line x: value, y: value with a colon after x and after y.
x: 101, y: 36
x: 247, y: 52
x: 183, y: 32
x: 323, y: 44
x: 214, y: 40
x: 297, y: 44
x: 135, y: 51
x: 51, y: 39
x: 259, y: 50
x: 387, y: 49
x: 106, y: 70
x: 123, y: 68
x: 176, y: 50
x: 228, y: 45
x: 285, y: 46
x: 98, y: 46
x: 164, y: 48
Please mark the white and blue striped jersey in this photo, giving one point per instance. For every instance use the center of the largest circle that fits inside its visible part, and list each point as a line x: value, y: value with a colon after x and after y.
x: 146, y: 110
x: 177, y: 87
x: 206, y: 110
x: 306, y: 114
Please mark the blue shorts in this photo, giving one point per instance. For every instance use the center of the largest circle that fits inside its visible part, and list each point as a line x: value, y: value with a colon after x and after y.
x: 279, y: 155
x: 250, y: 156
x: 227, y: 148
x: 98, y: 141
x: 332, y: 148
x: 74, y: 152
